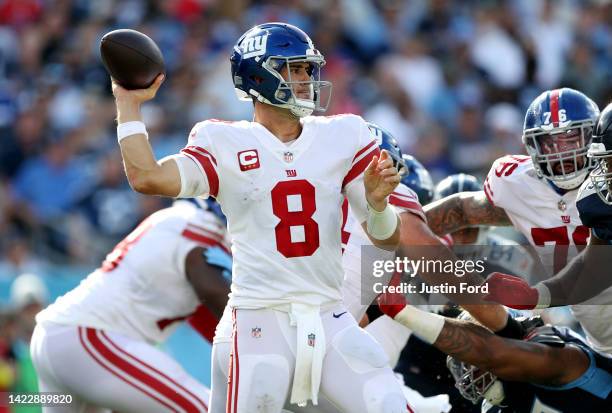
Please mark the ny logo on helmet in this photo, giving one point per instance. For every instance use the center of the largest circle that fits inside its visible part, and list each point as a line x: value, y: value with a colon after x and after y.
x: 254, y: 46
x: 376, y: 134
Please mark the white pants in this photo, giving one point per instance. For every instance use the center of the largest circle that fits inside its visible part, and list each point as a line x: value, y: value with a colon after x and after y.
x: 356, y: 376
x: 105, y: 371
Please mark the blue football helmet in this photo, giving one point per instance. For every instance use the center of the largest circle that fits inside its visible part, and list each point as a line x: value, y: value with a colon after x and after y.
x: 601, y: 153
x: 418, y: 179
x: 456, y: 183
x: 557, y: 134
x: 260, y: 55
x: 386, y: 141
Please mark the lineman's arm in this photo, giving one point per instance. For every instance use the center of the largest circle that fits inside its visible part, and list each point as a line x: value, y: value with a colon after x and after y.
x: 418, y: 238
x: 462, y: 210
x: 508, y: 359
x: 208, y: 280
x: 584, y: 277
x: 145, y: 174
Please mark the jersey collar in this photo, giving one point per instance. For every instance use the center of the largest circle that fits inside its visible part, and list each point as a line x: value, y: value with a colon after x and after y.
x: 278, y: 148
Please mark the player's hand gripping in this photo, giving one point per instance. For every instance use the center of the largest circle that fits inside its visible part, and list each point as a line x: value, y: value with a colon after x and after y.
x: 137, y: 96
x: 380, y: 180
x: 511, y: 291
x: 392, y: 303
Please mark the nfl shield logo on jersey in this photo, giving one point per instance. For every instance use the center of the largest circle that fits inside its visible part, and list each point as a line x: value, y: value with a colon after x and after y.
x: 256, y: 332
x: 311, y: 339
x: 288, y: 157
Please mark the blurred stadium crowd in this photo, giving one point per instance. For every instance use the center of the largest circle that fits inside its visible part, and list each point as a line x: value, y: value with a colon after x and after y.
x: 450, y: 79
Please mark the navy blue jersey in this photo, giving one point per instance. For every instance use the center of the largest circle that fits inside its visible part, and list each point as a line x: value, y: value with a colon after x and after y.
x: 594, y: 213
x: 591, y: 392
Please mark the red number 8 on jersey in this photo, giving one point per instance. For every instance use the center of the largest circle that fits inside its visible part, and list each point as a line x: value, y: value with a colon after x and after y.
x: 303, y: 218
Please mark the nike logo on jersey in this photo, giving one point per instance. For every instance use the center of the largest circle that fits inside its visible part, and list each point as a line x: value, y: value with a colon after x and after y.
x: 338, y: 315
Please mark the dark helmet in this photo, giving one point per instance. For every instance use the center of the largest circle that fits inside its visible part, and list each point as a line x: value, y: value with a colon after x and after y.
x: 418, y: 179
x: 453, y: 184
x: 386, y: 141
x: 600, y: 152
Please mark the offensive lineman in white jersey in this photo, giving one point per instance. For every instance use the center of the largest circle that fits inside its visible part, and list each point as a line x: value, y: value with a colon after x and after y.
x: 585, y: 277
x: 97, y: 342
x: 280, y: 181
x: 537, y: 194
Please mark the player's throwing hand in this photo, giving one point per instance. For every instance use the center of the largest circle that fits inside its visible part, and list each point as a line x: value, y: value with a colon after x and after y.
x: 137, y: 95
x: 380, y: 179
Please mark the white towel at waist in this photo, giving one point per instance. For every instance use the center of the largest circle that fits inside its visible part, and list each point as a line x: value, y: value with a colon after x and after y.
x: 310, y: 351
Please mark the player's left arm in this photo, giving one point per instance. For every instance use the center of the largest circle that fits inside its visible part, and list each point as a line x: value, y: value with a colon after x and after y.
x: 508, y: 359
x: 209, y: 278
x: 369, y: 201
x: 383, y: 223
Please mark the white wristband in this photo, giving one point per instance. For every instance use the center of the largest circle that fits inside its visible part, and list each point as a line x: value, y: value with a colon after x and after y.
x: 424, y: 324
x: 543, y: 296
x: 131, y: 128
x: 381, y: 225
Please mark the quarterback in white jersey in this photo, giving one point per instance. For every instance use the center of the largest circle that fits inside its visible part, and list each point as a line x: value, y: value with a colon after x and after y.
x: 537, y: 194
x: 280, y: 181
x: 391, y: 335
x: 97, y: 341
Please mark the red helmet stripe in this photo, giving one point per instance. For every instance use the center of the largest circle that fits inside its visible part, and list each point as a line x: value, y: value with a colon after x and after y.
x: 554, y: 107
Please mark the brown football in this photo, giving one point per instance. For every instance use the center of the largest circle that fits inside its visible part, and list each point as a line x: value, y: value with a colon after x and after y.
x: 132, y: 58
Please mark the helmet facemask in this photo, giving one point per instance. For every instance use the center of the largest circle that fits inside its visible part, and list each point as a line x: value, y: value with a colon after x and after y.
x: 472, y: 382
x: 286, y: 94
x: 601, y: 175
x: 475, y: 384
x: 560, y: 154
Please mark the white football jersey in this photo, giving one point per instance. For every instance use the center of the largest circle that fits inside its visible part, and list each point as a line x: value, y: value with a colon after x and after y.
x: 141, y: 289
x: 354, y: 238
x: 549, y: 221
x: 283, y: 203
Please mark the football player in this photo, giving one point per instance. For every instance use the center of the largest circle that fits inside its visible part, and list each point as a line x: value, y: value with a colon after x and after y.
x: 550, y: 369
x: 97, y: 342
x: 389, y: 334
x: 583, y: 278
x: 280, y: 181
x: 357, y: 291
x: 537, y: 193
